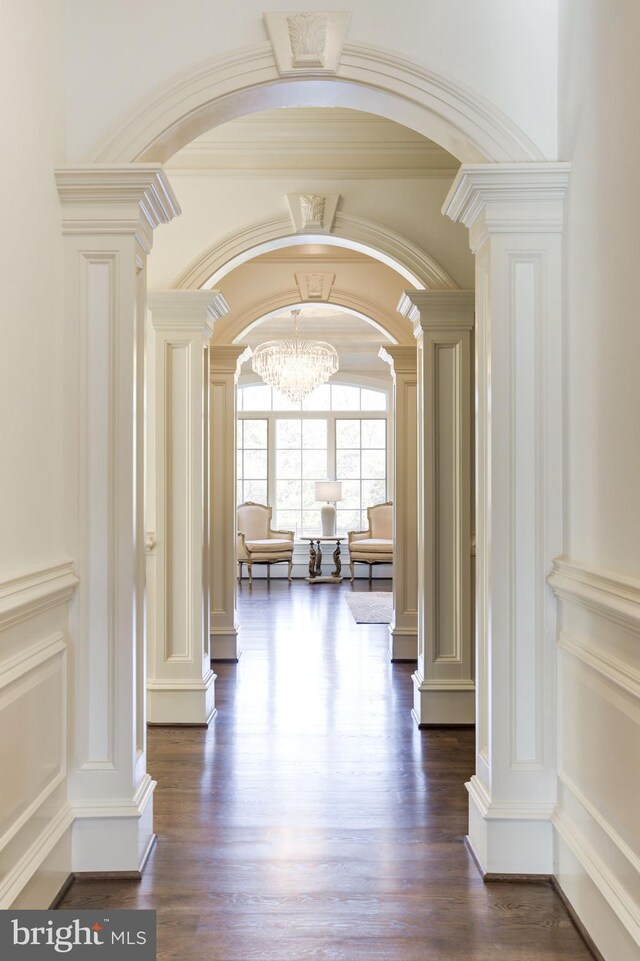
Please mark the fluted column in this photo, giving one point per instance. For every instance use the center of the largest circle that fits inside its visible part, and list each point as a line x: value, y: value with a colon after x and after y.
x: 403, y: 630
x: 514, y: 215
x: 225, y: 362
x: 109, y: 213
x: 443, y: 683
x: 180, y: 682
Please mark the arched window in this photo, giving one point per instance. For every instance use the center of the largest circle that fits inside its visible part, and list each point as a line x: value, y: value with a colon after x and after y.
x: 338, y: 432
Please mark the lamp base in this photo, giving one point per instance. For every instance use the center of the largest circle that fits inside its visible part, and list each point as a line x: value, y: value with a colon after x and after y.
x: 328, y: 518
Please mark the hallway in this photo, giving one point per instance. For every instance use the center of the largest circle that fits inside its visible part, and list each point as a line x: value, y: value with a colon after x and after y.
x: 314, y: 821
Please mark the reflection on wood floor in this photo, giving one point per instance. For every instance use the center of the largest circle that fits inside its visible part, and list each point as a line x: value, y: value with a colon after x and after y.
x: 314, y: 821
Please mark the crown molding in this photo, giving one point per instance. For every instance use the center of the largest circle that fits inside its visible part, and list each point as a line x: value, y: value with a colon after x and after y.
x: 228, y: 358
x: 509, y: 197
x: 402, y: 360
x: 438, y: 309
x: 187, y: 310
x: 116, y: 199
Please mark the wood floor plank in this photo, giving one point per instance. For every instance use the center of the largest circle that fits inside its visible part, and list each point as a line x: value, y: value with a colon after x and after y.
x: 313, y: 822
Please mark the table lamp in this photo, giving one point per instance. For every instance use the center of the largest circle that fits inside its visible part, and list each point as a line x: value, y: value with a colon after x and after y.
x: 329, y: 491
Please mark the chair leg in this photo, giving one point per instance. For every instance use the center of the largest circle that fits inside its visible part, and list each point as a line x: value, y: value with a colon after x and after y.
x: 250, y: 566
x: 268, y: 573
x: 240, y: 570
x: 370, y: 574
x: 353, y: 571
x: 290, y: 569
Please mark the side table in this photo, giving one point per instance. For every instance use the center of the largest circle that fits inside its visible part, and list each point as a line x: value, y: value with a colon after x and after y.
x: 315, y: 557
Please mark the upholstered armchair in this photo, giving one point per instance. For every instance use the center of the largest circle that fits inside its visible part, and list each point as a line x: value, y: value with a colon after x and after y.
x: 375, y: 545
x: 257, y: 543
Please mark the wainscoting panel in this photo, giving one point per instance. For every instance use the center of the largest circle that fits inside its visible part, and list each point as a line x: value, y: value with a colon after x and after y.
x: 35, y: 817
x: 597, y: 834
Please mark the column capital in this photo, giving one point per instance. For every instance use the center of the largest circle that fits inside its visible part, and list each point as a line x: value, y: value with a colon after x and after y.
x: 438, y: 309
x: 116, y: 198
x: 402, y: 360
x: 187, y: 310
x: 228, y: 358
x: 508, y: 198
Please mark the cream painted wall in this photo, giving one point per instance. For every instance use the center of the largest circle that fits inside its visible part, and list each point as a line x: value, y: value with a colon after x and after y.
x: 597, y: 831
x: 214, y: 206
x: 600, y: 134
x: 35, y: 587
x: 31, y: 380
x: 503, y: 49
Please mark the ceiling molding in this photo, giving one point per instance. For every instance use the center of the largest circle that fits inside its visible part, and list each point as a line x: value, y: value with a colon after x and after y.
x: 383, y: 244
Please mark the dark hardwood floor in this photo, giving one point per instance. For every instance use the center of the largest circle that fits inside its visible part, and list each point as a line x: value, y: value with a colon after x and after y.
x: 313, y: 821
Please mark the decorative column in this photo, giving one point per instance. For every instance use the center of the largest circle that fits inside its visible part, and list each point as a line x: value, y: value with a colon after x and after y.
x: 443, y: 685
x: 514, y: 216
x: 109, y: 213
x: 403, y: 630
x: 180, y: 682
x: 225, y: 363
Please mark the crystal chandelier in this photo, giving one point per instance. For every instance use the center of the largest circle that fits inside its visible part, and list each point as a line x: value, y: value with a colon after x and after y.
x: 295, y: 367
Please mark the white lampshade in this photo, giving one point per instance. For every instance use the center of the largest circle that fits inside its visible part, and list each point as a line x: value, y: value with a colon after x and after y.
x: 328, y: 490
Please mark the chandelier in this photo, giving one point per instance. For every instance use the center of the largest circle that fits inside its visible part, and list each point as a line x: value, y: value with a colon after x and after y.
x: 295, y: 367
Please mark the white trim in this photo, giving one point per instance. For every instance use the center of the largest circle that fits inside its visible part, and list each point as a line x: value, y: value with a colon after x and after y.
x: 614, y: 670
x: 29, y: 594
x: 615, y: 895
x: 22, y: 872
x: 615, y: 597
x: 118, y: 807
x: 506, y: 810
x: 371, y: 78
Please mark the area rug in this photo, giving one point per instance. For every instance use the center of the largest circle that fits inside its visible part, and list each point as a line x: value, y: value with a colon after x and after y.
x: 373, y: 607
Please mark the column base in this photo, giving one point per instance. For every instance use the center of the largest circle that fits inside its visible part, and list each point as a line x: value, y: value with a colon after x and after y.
x: 188, y: 702
x: 225, y: 644
x: 112, y: 836
x: 442, y: 703
x: 403, y: 643
x: 509, y: 837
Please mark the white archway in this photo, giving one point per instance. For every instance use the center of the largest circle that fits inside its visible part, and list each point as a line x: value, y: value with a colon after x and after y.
x: 512, y: 206
x: 368, y: 78
x: 389, y: 247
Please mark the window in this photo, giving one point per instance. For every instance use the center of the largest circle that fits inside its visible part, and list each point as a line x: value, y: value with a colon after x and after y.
x: 340, y: 430
x: 252, y: 471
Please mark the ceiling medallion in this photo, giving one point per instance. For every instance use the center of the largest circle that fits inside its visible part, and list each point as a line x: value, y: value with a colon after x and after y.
x: 295, y: 367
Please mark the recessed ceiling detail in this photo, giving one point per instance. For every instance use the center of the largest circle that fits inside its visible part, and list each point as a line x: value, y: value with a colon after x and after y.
x: 312, y: 213
x: 307, y: 42
x: 315, y: 285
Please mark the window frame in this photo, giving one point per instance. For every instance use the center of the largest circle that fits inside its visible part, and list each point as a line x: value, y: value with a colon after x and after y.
x: 331, y: 417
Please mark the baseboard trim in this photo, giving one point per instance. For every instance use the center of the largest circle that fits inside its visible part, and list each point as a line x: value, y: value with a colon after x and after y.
x: 425, y: 726
x: 518, y: 878
x: 575, y: 920
x: 201, y: 724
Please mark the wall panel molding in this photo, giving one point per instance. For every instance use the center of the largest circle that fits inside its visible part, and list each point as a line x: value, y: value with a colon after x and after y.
x: 612, y: 596
x: 28, y: 594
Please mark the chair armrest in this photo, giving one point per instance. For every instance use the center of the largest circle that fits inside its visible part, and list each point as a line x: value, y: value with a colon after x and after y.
x: 358, y: 536
x: 288, y: 534
x: 241, y: 546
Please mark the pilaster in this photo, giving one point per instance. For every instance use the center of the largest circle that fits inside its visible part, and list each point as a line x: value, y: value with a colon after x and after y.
x: 443, y: 683
x: 514, y: 215
x: 225, y: 363
x: 180, y: 682
x: 403, y: 630
x: 109, y: 213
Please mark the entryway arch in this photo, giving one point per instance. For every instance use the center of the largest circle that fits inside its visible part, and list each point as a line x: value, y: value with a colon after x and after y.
x: 512, y: 204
